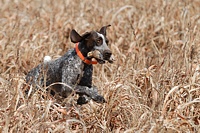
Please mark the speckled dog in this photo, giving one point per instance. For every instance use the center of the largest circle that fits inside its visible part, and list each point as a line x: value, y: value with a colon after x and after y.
x: 74, y: 69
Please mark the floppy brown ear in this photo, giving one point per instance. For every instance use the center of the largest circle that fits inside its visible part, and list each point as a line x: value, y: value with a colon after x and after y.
x: 75, y: 37
x: 103, y: 30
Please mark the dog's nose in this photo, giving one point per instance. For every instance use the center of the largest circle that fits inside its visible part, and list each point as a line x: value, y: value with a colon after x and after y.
x: 107, y: 54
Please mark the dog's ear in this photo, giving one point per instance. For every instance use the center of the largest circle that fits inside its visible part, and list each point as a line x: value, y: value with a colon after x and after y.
x: 75, y: 37
x: 103, y: 30
x: 85, y: 35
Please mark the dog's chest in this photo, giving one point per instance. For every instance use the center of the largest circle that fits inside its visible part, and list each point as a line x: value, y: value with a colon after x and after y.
x: 86, y: 76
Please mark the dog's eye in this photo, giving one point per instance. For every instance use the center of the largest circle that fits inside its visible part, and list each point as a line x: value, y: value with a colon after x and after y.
x: 99, y: 41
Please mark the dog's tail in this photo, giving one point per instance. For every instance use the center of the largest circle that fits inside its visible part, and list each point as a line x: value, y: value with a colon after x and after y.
x: 47, y: 59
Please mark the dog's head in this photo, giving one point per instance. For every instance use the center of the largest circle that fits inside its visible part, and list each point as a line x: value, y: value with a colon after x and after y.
x: 93, y: 41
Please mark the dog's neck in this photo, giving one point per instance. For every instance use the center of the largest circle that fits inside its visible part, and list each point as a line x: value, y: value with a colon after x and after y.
x: 82, y: 53
x: 83, y: 49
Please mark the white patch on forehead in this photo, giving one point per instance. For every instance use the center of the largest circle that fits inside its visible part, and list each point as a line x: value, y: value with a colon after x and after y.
x: 102, y: 36
x: 104, y: 46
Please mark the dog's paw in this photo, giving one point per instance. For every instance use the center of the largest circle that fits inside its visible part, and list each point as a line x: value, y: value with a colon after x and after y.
x: 83, y: 100
x: 99, y: 99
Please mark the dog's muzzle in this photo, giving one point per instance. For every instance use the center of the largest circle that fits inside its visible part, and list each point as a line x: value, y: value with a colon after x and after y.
x: 107, y: 54
x: 101, y: 57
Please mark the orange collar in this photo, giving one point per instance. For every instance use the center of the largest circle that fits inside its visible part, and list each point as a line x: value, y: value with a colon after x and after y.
x: 83, y: 58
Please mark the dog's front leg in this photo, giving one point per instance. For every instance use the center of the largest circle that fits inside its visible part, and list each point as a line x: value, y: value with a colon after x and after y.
x: 86, y: 93
x: 83, y: 99
x: 70, y: 73
x: 91, y: 92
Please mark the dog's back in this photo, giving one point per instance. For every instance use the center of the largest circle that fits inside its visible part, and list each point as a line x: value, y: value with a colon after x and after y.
x: 51, y: 70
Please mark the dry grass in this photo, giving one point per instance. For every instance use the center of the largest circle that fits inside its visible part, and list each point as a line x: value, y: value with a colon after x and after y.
x: 153, y: 86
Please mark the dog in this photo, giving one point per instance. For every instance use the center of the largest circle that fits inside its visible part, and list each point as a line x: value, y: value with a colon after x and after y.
x: 74, y: 69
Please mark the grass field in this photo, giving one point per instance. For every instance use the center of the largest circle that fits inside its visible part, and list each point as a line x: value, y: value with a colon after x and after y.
x: 153, y: 86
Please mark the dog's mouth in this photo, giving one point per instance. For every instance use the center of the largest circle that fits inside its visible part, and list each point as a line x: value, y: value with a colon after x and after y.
x: 99, y: 57
x: 100, y: 61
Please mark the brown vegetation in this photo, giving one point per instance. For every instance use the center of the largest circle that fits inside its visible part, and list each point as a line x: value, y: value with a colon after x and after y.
x: 153, y: 86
